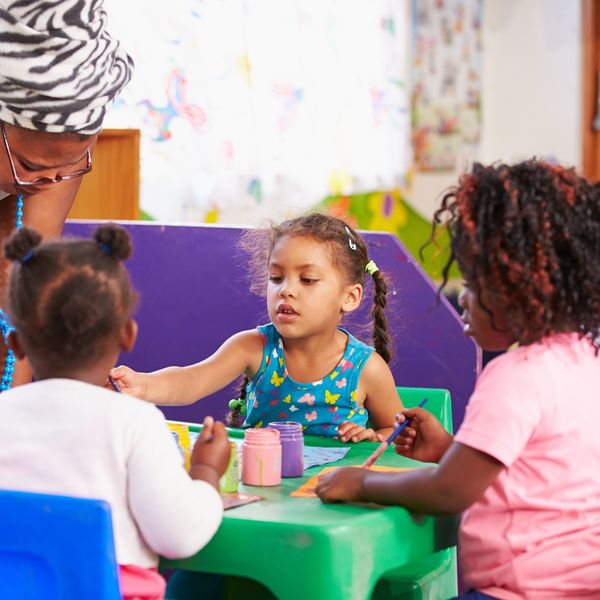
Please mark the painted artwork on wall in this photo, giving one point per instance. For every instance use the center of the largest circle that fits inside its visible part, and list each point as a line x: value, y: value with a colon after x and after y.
x: 392, y: 211
x: 250, y: 109
x: 446, y: 93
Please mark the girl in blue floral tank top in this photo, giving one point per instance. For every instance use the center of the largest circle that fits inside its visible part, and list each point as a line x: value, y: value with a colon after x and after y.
x: 320, y: 405
x: 312, y: 271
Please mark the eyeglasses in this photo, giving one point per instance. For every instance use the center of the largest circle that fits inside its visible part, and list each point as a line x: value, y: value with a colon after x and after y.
x: 44, y: 180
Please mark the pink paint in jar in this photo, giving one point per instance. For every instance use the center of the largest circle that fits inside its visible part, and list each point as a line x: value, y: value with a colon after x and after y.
x: 261, y: 457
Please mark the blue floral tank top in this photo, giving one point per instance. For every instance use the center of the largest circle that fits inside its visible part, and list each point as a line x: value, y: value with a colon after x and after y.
x: 320, y: 406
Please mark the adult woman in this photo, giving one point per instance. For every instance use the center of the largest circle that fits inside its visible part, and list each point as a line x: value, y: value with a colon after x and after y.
x: 59, y: 73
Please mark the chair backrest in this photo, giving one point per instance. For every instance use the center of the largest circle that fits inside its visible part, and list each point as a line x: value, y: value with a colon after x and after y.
x: 439, y: 403
x: 56, y: 547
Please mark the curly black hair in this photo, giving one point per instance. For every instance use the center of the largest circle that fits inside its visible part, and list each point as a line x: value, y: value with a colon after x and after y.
x: 69, y: 298
x: 531, y: 233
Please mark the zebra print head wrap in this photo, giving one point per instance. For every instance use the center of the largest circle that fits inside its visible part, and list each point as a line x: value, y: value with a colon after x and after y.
x: 59, y: 68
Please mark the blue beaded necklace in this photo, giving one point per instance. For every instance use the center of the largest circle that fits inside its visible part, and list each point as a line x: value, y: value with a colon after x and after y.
x: 5, y: 326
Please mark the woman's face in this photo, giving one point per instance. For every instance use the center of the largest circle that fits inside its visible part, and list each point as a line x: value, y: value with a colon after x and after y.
x: 490, y: 331
x: 36, y: 155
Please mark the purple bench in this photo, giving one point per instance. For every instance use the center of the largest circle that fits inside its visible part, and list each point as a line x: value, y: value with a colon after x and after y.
x: 194, y: 295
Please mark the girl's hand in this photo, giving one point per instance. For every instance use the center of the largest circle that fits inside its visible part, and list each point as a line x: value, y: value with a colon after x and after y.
x: 351, y: 432
x: 211, y: 453
x: 342, y: 485
x: 424, y: 439
x: 130, y: 382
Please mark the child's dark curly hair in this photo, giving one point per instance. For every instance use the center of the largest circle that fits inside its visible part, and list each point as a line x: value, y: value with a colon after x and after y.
x: 531, y: 233
x: 349, y: 254
x: 69, y: 298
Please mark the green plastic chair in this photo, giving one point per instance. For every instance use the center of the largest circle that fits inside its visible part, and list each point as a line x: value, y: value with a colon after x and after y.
x: 434, y: 577
x: 438, y: 404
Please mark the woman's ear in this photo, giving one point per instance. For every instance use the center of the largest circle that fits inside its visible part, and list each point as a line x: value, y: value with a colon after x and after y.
x: 14, y: 343
x: 352, y: 297
x: 128, y: 336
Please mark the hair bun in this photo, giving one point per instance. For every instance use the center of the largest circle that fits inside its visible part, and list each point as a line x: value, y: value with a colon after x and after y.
x: 21, y: 242
x: 79, y: 315
x: 114, y: 240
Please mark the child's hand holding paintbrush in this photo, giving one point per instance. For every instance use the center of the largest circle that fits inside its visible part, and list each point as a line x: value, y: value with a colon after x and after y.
x: 385, y: 444
x: 419, y: 436
x: 424, y: 438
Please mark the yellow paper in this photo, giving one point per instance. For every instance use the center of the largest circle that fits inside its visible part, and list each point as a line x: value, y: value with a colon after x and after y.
x: 185, y: 443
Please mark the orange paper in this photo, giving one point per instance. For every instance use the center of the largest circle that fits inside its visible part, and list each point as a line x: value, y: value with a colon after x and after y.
x: 307, y: 489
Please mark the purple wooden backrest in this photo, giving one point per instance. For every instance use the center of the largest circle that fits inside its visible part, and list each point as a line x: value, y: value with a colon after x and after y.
x: 194, y: 294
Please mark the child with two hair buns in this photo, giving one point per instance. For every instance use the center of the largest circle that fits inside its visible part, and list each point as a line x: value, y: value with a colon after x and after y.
x: 71, y: 304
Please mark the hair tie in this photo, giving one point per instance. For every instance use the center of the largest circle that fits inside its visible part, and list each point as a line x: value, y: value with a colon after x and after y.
x: 106, y: 248
x: 351, y: 242
x: 371, y: 268
x: 25, y: 258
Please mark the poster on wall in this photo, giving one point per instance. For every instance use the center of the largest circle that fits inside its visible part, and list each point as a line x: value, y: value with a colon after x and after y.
x: 252, y: 109
x: 446, y: 94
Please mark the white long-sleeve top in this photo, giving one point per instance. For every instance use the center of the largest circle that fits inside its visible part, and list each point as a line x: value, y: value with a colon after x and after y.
x: 61, y: 436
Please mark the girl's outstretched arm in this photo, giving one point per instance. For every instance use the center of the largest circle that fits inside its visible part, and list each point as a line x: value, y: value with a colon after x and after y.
x: 461, y: 477
x: 241, y: 353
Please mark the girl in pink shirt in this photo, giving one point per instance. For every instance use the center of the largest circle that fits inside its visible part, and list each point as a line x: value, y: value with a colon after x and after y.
x: 524, y: 467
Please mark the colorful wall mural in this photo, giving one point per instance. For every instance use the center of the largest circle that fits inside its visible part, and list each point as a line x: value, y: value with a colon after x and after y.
x: 271, y: 108
x: 250, y: 105
x: 446, y: 91
x: 391, y: 211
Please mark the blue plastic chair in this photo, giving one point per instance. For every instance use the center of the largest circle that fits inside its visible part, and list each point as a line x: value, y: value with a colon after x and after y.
x: 56, y: 548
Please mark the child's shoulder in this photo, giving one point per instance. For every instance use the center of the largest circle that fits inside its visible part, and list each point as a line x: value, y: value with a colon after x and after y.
x: 556, y: 349
x: 354, y: 342
x: 553, y: 361
x: 250, y: 338
x: 80, y: 397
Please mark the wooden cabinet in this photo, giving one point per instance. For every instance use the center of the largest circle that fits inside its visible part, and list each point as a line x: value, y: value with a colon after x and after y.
x: 590, y: 20
x: 111, y: 191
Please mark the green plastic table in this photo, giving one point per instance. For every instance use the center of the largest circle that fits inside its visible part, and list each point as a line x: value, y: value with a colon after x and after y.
x: 300, y: 548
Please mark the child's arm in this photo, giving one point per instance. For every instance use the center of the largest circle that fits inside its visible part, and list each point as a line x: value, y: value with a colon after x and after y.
x: 241, y: 353
x: 176, y: 513
x: 211, y: 453
x: 461, y: 477
x: 381, y: 401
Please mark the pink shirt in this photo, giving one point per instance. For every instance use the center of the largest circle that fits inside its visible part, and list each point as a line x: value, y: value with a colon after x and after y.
x: 535, y: 532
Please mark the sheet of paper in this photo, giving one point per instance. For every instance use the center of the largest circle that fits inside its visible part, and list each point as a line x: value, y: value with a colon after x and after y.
x: 307, y: 489
x: 317, y: 455
x: 233, y: 499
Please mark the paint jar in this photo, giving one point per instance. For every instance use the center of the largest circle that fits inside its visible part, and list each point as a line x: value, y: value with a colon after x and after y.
x: 292, y: 447
x: 229, y: 481
x: 261, y: 457
x: 182, y: 432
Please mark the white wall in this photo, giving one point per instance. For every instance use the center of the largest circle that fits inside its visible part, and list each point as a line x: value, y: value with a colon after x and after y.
x: 532, y: 80
x: 531, y: 88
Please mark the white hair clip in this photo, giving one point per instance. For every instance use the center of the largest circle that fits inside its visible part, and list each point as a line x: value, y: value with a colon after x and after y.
x: 350, y: 238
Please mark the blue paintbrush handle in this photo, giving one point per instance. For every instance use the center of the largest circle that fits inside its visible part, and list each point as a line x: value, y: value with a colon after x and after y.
x: 385, y: 444
x: 398, y: 429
